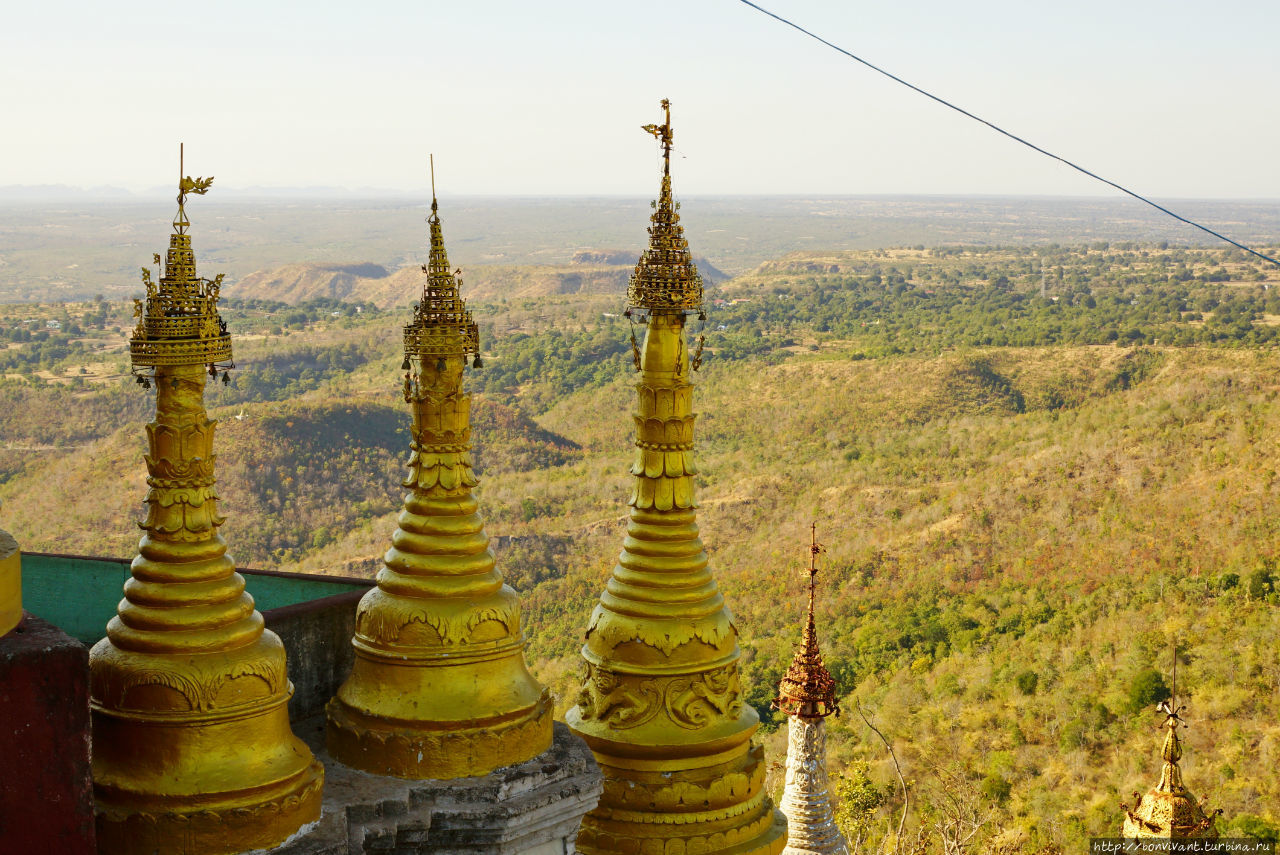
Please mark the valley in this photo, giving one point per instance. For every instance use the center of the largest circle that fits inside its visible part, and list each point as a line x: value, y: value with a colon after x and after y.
x: 1038, y: 472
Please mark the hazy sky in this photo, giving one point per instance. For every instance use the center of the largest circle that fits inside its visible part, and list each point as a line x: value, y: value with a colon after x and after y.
x: 1175, y: 98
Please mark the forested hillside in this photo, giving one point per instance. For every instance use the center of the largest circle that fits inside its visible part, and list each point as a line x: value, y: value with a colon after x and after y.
x: 1037, y: 474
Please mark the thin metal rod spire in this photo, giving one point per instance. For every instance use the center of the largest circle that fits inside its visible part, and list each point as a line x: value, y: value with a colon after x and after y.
x: 814, y: 550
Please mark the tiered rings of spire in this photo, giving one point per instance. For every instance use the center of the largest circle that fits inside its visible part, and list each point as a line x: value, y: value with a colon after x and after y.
x: 192, y: 751
x: 661, y: 701
x: 807, y: 694
x: 1169, y: 810
x: 439, y: 688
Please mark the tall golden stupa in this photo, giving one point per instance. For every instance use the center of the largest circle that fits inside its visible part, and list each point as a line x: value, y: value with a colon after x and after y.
x: 10, y: 583
x: 661, y: 703
x: 439, y: 688
x: 1169, y: 810
x: 192, y: 751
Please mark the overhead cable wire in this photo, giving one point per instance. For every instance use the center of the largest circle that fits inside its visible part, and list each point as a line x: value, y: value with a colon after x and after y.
x: 1011, y: 136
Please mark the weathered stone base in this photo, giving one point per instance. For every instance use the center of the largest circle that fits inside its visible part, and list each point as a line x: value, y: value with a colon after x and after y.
x: 533, y: 808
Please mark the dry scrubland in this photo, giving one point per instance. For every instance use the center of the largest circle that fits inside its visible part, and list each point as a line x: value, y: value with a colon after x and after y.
x: 1017, y: 535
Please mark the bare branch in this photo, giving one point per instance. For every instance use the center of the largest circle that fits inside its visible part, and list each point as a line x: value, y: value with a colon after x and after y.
x: 897, y: 768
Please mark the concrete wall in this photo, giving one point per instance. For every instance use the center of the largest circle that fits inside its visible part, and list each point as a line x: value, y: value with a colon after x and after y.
x: 79, y: 593
x: 317, y: 640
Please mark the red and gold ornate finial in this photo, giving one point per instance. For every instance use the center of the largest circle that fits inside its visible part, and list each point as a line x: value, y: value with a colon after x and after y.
x: 807, y: 689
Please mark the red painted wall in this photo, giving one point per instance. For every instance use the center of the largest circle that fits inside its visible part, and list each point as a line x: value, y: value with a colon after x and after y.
x: 46, y: 792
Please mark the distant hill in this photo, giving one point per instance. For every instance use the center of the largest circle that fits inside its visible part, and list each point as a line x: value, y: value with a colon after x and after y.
x: 54, y: 251
x: 590, y: 272
x: 296, y: 283
x: 292, y: 477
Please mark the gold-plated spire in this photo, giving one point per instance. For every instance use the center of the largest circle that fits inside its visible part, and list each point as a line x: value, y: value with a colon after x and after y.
x: 807, y: 689
x: 661, y: 701
x: 1169, y: 809
x: 439, y: 688
x: 192, y: 751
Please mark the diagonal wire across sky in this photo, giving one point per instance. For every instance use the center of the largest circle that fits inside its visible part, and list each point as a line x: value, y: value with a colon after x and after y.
x: 1008, y: 134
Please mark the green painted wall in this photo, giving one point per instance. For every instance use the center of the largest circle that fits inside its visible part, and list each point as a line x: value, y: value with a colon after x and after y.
x: 79, y: 595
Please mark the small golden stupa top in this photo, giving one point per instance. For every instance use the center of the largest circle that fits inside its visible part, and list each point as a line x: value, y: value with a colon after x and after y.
x: 665, y: 278
x: 1169, y: 810
x: 807, y: 689
x: 179, y: 323
x: 442, y: 325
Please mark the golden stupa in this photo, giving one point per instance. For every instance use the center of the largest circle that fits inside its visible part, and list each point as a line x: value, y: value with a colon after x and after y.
x: 10, y: 583
x: 661, y: 703
x: 1169, y: 810
x: 439, y: 688
x: 192, y: 751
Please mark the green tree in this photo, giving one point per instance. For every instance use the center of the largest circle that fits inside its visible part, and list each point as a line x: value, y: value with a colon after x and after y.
x: 1248, y: 825
x: 1261, y: 583
x: 1146, y: 689
x: 996, y: 788
x: 857, y: 800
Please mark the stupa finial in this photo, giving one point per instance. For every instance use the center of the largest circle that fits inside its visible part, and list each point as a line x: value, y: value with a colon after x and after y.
x: 664, y: 135
x: 1169, y: 809
x: 179, y: 324
x: 665, y: 278
x: 807, y: 689
x: 187, y: 184
x: 442, y: 325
